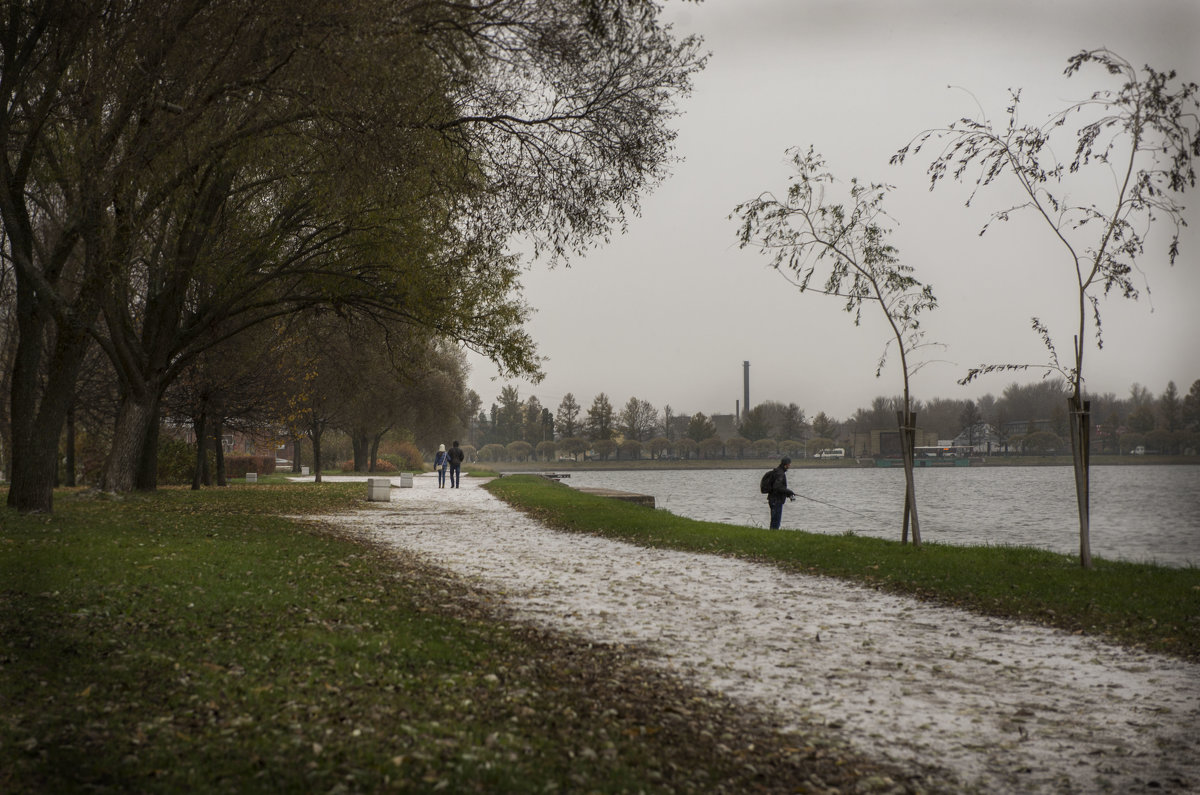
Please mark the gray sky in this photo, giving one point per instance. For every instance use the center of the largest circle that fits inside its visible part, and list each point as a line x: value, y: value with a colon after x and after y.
x: 669, y: 311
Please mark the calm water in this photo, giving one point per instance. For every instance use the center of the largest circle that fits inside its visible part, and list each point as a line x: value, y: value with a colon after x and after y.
x: 1139, y: 513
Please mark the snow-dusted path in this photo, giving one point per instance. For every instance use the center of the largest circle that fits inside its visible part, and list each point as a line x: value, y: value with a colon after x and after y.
x: 1008, y: 707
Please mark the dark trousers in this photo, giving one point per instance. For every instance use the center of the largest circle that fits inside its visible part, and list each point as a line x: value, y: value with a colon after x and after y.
x: 455, y: 471
x: 776, y: 514
x: 441, y: 477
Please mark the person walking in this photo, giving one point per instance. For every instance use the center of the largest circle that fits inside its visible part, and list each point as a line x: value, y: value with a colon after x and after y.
x: 455, y: 455
x: 440, y: 461
x: 779, y: 493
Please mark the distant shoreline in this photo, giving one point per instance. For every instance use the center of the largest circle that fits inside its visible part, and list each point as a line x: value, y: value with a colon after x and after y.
x: 510, y: 467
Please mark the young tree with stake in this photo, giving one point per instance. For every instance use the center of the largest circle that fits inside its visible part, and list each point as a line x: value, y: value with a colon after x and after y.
x: 806, y: 231
x: 1146, y: 133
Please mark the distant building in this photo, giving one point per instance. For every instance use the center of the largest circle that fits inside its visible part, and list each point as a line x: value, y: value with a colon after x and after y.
x: 679, y: 426
x: 727, y: 425
x: 1022, y: 427
x: 886, y: 443
x: 978, y: 438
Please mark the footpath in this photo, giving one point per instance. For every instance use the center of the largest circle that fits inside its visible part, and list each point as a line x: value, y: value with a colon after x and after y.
x: 1003, y: 706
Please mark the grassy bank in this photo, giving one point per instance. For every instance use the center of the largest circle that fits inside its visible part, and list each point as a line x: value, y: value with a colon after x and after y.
x: 1139, y: 605
x: 201, y: 642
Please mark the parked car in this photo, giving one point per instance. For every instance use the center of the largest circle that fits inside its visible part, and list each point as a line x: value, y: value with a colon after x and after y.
x: 1139, y: 450
x: 832, y: 452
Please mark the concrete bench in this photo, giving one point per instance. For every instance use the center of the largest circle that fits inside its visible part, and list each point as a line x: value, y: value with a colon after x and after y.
x: 379, y: 489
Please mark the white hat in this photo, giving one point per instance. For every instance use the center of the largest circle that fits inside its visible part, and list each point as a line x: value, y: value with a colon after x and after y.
x: 441, y: 448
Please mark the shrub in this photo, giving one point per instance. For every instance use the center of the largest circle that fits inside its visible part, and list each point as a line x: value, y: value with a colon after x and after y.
x: 408, y: 457
x: 176, y: 462
x: 385, y: 464
x: 236, y: 466
x: 492, y: 452
x: 1042, y: 442
x: 518, y: 451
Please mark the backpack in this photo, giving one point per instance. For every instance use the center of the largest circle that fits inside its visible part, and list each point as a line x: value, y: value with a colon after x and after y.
x: 768, y: 481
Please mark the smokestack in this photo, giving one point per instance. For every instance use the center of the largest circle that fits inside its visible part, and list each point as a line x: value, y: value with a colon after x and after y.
x: 746, y: 385
x: 737, y: 411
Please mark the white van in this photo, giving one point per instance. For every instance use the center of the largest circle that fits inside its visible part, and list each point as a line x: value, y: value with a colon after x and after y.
x: 835, y: 452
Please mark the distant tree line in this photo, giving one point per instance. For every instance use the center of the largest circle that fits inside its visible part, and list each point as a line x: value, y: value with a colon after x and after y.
x: 517, y: 428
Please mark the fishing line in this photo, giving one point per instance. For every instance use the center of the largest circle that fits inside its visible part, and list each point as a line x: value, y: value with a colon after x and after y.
x: 831, y: 505
x: 847, y: 510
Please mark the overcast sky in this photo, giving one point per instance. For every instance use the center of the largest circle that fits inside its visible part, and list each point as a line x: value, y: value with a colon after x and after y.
x: 669, y: 311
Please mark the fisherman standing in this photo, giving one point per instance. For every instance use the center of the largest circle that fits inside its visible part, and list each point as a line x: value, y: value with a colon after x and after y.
x: 779, y: 492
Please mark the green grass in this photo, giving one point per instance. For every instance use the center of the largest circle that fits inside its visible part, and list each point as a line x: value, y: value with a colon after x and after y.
x: 201, y: 642
x: 1141, y: 605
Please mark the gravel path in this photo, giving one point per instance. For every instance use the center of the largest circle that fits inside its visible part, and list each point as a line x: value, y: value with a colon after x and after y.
x: 1007, y: 707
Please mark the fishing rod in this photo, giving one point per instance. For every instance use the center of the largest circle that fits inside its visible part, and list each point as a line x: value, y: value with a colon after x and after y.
x: 840, y: 508
x: 875, y: 520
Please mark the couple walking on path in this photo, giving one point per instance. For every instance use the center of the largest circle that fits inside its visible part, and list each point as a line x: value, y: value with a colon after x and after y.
x: 452, y: 459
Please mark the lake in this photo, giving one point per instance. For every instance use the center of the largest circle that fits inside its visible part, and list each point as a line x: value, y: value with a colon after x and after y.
x: 1138, y: 513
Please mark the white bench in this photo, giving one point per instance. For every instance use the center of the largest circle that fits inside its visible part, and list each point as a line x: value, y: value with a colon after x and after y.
x: 379, y: 489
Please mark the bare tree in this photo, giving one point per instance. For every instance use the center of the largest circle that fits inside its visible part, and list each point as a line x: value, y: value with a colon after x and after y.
x: 1145, y: 135
x: 807, y: 230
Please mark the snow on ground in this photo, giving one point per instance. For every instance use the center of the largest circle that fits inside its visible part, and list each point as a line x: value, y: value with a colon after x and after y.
x: 1007, y: 707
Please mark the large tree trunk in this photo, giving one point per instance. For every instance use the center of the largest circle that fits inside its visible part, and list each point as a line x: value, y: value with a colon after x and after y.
x: 37, y: 411
x: 199, y: 429
x: 147, y: 471
x: 361, y: 446
x: 122, y: 469
x: 375, y: 447
x: 219, y: 444
x: 315, y: 435
x: 69, y: 463
x: 1080, y: 421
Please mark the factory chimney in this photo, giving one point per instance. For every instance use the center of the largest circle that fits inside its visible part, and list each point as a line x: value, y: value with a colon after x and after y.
x: 746, y: 385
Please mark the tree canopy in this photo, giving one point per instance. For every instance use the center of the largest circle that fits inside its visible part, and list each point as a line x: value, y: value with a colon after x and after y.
x: 175, y: 173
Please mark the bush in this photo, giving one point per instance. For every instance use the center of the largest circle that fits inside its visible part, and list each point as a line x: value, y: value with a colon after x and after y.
x: 385, y: 464
x: 1042, y: 442
x: 236, y: 466
x: 176, y: 462
x: 492, y: 452
x: 408, y: 457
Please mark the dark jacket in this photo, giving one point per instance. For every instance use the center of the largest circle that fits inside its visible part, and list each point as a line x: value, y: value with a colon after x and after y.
x: 456, y: 455
x: 779, y: 488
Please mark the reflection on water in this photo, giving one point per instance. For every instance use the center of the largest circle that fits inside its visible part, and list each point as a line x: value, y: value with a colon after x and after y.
x: 1138, y: 513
